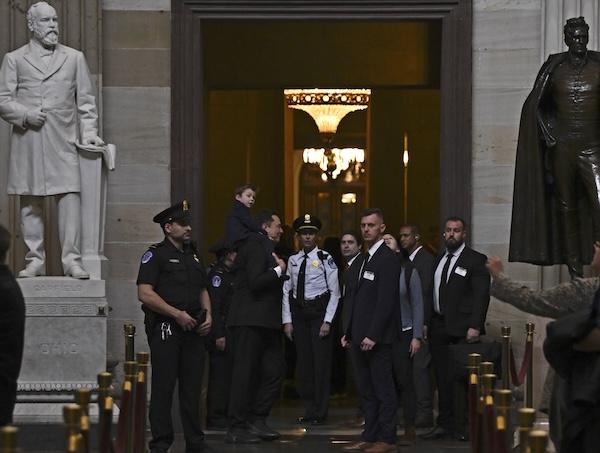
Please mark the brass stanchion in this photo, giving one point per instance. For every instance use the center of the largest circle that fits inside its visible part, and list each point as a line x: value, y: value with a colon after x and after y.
x: 8, y: 439
x: 129, y: 332
x: 82, y: 398
x: 486, y: 368
x: 104, y: 384
x: 105, y: 426
x: 525, y: 419
x: 504, y: 427
x: 72, y: 417
x: 488, y: 425
x: 130, y: 369
x: 505, y: 357
x: 124, y: 425
x: 538, y: 441
x: 473, y: 394
x: 139, y: 441
x: 530, y: 328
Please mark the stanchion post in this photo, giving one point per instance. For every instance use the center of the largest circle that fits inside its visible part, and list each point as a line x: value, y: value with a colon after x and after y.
x: 505, y: 357
x: 72, y: 416
x: 139, y: 442
x: 82, y: 399
x: 105, y: 426
x: 8, y: 439
x: 538, y: 441
x: 104, y: 382
x: 525, y: 419
x: 486, y: 368
x: 487, y: 386
x: 503, y: 400
x: 129, y: 332
x: 530, y: 328
x: 473, y: 384
x: 130, y: 369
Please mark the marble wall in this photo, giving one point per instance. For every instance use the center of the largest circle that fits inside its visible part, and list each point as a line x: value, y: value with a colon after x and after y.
x: 507, y: 37
x: 136, y: 102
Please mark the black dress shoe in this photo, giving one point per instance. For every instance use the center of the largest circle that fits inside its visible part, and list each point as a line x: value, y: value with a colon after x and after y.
x: 305, y: 420
x: 318, y: 421
x: 462, y: 436
x: 437, y: 433
x: 241, y: 436
x: 259, y: 428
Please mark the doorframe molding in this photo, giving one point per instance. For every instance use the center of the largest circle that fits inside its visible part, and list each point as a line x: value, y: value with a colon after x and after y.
x: 189, y: 94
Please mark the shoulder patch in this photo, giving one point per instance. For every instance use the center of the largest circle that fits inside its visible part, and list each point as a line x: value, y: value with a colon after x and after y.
x: 331, y: 262
x: 216, y: 281
x: 147, y: 257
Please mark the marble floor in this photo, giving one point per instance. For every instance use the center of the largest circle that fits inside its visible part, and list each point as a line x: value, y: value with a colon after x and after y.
x: 340, y: 430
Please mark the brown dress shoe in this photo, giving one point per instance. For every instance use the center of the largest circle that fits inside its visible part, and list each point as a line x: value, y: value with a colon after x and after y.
x: 381, y: 447
x: 409, y: 438
x: 358, y: 446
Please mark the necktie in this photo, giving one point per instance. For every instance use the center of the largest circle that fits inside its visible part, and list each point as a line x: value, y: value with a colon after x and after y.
x: 444, y: 280
x: 364, y: 263
x: 301, y: 280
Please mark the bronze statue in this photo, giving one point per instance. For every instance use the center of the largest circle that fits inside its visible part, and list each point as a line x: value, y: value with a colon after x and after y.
x: 556, y: 200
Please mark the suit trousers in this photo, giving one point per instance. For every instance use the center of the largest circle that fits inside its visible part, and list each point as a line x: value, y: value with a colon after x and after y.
x: 258, y: 370
x: 69, y: 229
x: 313, y: 366
x: 403, y: 376
x: 374, y: 377
x: 219, y: 383
x: 422, y: 382
x: 439, y: 342
x: 175, y: 358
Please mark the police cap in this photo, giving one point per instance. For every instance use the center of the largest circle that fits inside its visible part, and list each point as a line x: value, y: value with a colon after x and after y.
x: 179, y: 212
x: 307, y: 222
x: 220, y: 248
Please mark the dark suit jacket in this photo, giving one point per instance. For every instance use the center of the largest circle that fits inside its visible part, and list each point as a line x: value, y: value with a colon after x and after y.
x: 376, y: 302
x: 350, y: 280
x: 468, y: 297
x: 257, y: 292
x: 12, y: 331
x: 425, y: 264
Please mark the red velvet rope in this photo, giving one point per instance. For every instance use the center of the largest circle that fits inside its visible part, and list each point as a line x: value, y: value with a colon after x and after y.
x: 519, y: 378
x: 474, y: 421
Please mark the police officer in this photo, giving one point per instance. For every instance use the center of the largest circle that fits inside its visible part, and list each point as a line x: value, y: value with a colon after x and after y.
x: 172, y: 288
x: 310, y: 299
x: 220, y: 289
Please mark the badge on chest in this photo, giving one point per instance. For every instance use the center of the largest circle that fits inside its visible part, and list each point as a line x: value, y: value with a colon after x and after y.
x: 369, y: 275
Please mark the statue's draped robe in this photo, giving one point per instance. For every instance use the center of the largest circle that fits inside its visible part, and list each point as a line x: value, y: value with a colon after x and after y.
x: 536, y: 235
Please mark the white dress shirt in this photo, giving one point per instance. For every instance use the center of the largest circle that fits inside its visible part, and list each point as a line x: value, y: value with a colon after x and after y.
x: 314, y: 282
x: 437, y: 278
x: 413, y: 254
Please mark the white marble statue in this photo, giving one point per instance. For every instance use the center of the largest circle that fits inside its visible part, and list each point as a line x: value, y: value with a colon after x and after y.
x: 48, y: 97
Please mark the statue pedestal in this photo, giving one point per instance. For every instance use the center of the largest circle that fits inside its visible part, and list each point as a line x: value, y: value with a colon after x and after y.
x: 65, y: 342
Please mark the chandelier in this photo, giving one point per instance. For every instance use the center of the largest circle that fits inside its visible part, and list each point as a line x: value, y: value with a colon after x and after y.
x: 327, y: 107
x: 342, y: 158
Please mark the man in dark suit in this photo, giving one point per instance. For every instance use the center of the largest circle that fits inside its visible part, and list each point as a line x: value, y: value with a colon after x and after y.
x: 424, y: 263
x: 461, y: 295
x: 255, y: 321
x: 370, y: 329
x: 12, y: 331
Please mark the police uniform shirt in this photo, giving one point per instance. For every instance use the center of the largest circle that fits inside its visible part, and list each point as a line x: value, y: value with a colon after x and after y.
x: 220, y: 289
x: 177, y: 276
x: 315, y: 283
